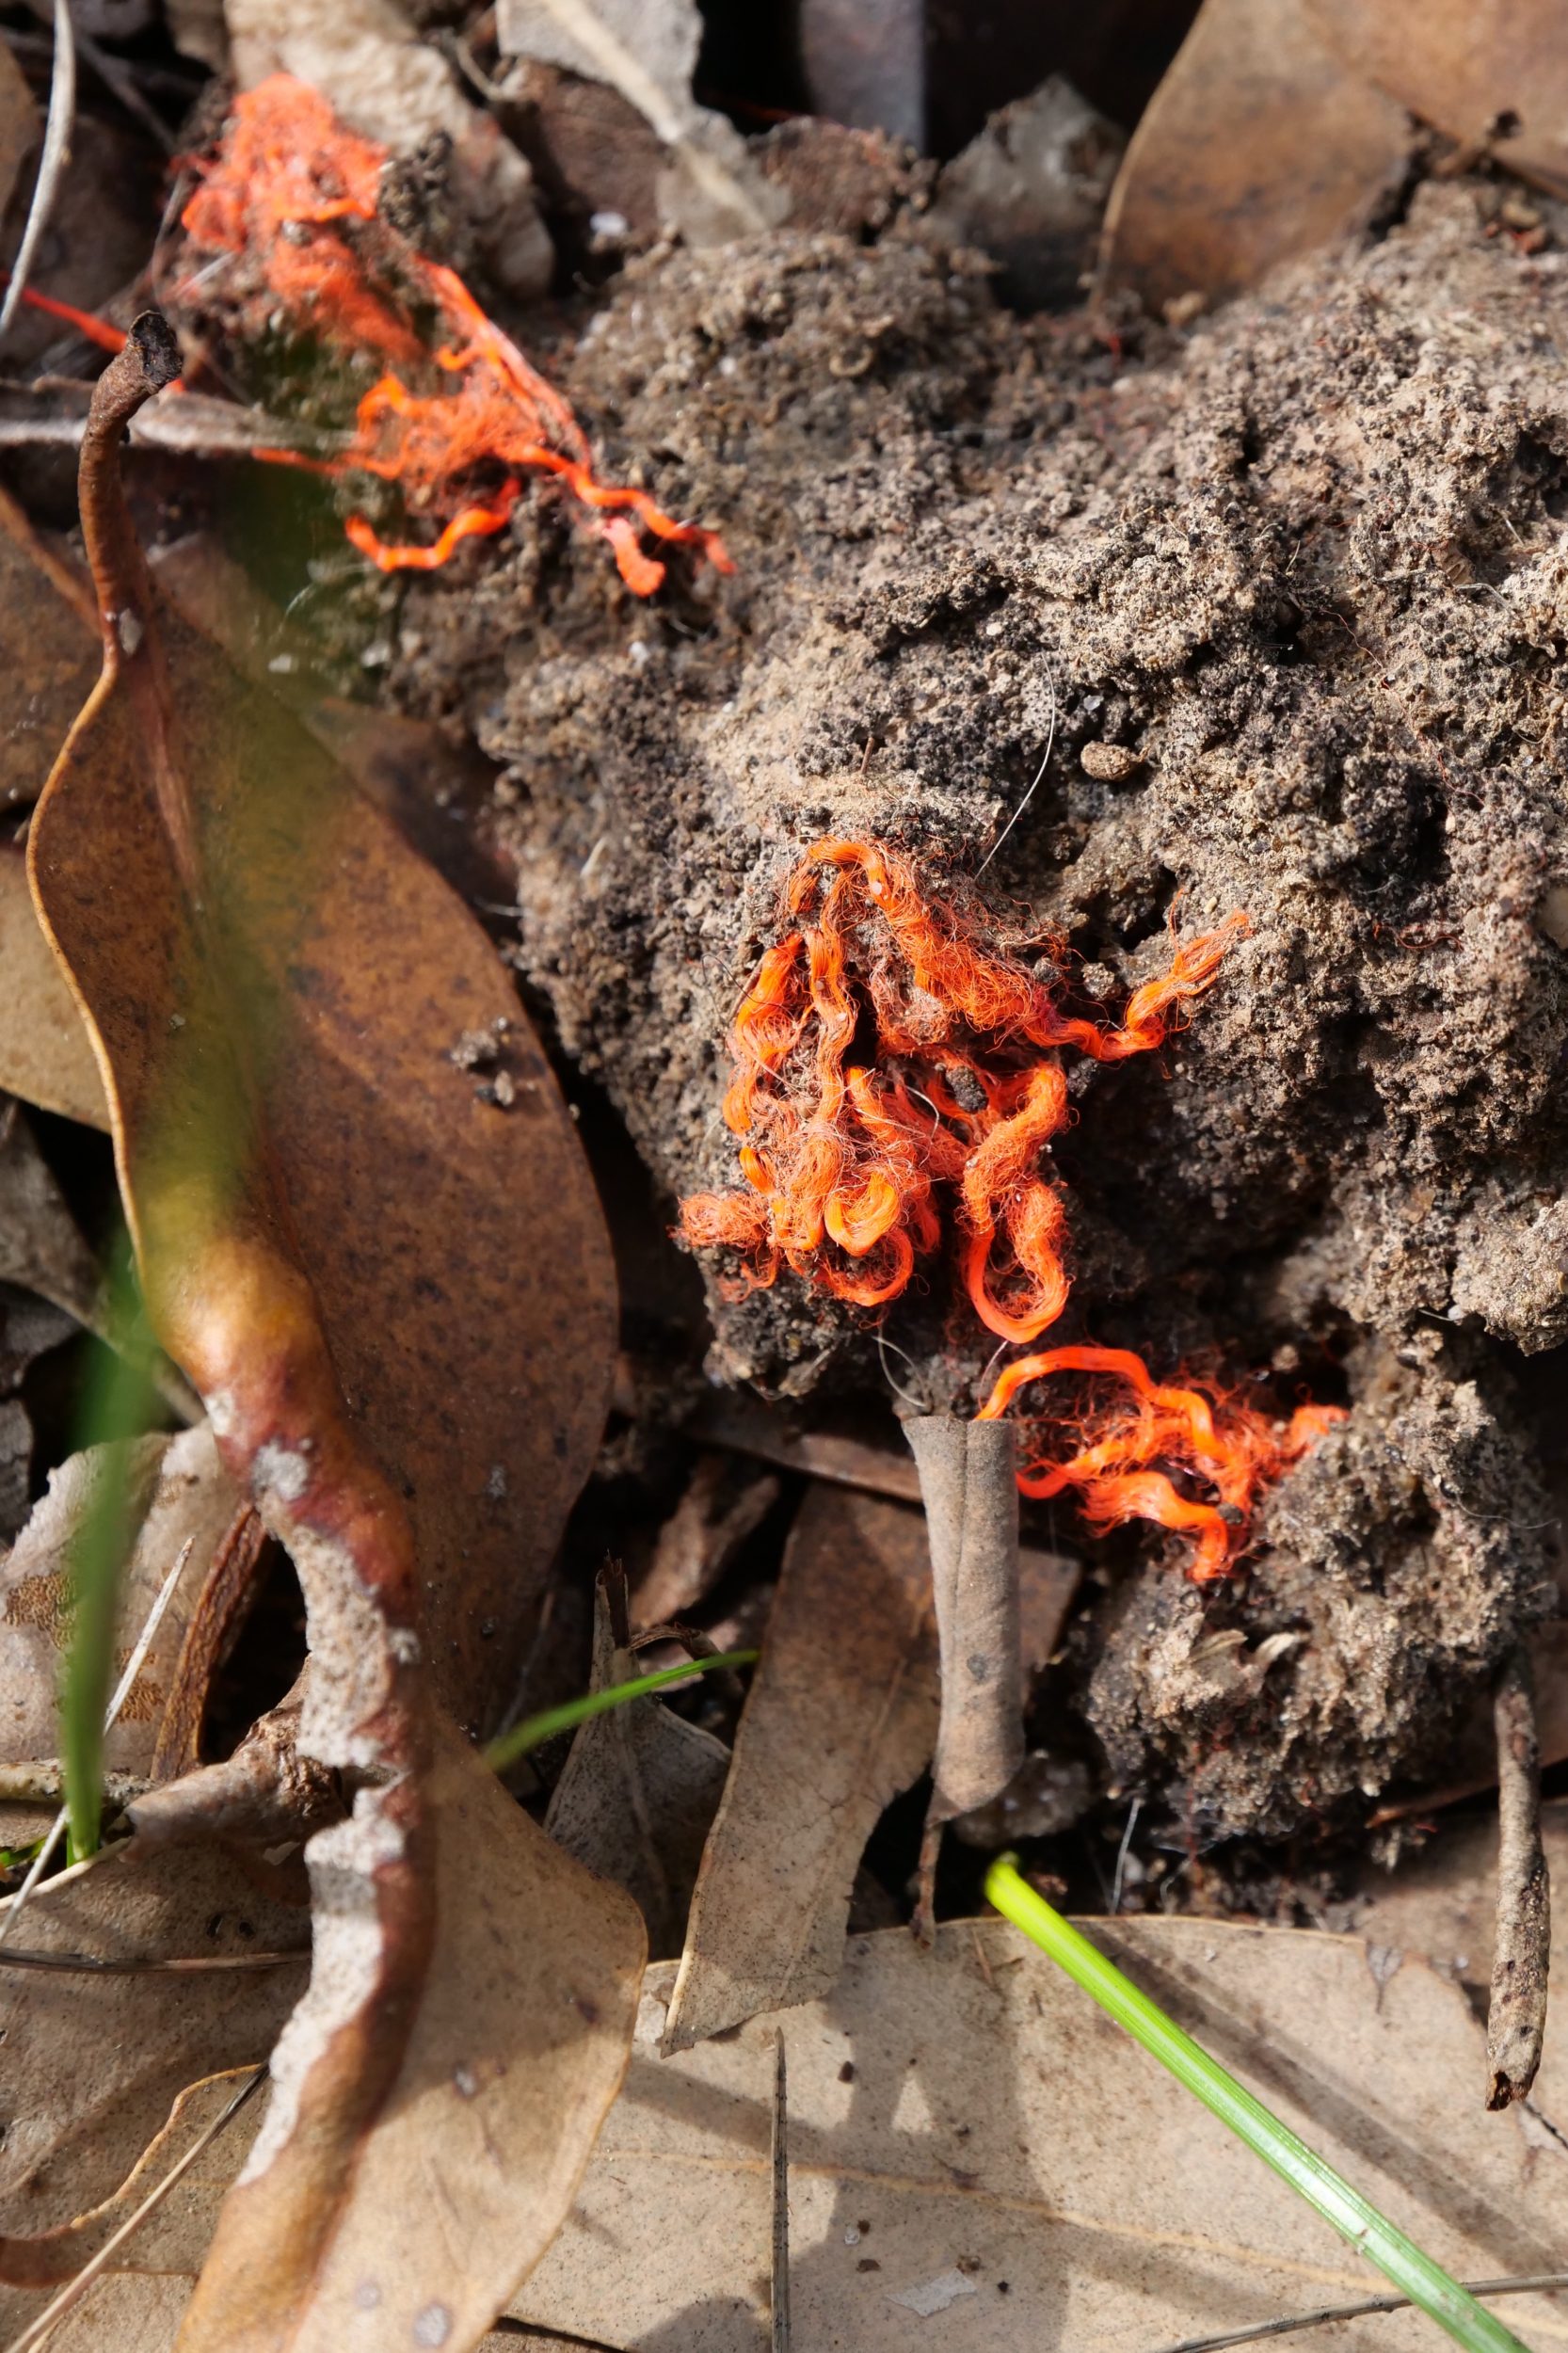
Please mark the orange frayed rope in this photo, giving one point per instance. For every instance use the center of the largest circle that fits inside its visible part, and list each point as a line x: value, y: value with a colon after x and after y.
x: 1136, y: 1449
x: 295, y: 193
x: 888, y: 1068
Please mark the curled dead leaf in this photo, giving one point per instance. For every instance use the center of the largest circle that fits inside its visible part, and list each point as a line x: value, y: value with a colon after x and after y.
x: 339, y: 1233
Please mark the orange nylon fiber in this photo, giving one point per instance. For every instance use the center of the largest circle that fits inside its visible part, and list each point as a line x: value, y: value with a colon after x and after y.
x: 888, y: 1068
x: 1230, y: 1448
x: 285, y: 187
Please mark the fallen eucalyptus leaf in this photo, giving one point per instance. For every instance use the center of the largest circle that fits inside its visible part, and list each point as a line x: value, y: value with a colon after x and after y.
x: 518, y: 2050
x: 418, y: 1193
x: 48, y: 640
x: 841, y: 1717
x: 176, y: 1490
x: 1258, y: 144
x: 94, y: 2064
x: 638, y: 1792
x: 969, y: 2111
x: 1493, y: 77
x: 339, y: 1235
x: 45, y: 1054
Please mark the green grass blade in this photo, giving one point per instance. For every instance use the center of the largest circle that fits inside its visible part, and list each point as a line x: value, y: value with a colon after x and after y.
x: 121, y: 1403
x: 534, y: 1730
x: 1415, y: 2275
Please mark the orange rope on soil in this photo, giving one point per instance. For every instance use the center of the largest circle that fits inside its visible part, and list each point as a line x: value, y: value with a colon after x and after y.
x: 1226, y: 1444
x: 885, y: 1062
x: 286, y: 190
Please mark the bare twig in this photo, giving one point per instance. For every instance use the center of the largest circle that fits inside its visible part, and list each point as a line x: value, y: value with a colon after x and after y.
x: 39, y: 1864
x: 1531, y: 2283
x: 1516, y: 2021
x: 52, y: 163
x: 194, y: 425
x: 779, y: 2342
x: 43, y: 2324
x: 191, y: 1965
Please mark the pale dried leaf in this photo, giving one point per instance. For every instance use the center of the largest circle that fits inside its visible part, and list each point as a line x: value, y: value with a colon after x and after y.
x: 1258, y: 145
x: 968, y: 1476
x: 176, y: 1489
x: 518, y: 2049
x: 638, y: 1793
x: 841, y: 1717
x: 94, y: 2064
x: 46, y: 1056
x: 1489, y: 72
x: 646, y: 49
x: 971, y: 2111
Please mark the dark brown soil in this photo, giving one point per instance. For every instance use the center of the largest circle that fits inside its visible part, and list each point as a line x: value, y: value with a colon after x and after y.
x: 1307, y: 565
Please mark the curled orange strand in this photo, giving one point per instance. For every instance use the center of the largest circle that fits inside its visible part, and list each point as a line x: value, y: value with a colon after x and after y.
x: 286, y: 193
x: 1124, y: 1470
x: 894, y: 1074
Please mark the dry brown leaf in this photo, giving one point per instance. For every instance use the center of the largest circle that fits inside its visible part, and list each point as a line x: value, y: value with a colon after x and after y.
x: 94, y: 2064
x: 518, y: 2050
x: 48, y: 634
x: 1491, y: 74
x: 1259, y: 144
x: 638, y: 1793
x: 444, y: 1216
x: 723, y: 1504
x: 968, y: 2118
x: 374, y: 1267
x: 45, y: 1054
x: 841, y: 1717
x: 176, y: 1488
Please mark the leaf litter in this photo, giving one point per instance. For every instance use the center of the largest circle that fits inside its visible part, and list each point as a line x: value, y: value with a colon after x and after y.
x: 1327, y: 144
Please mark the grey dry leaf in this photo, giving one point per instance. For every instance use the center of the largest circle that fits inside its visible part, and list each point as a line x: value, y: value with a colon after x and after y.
x: 970, y: 2112
x: 1259, y: 144
x: 841, y: 1717
x: 647, y: 50
x: 177, y: 1488
x: 94, y: 2064
x: 41, y: 1248
x: 638, y: 1793
x: 967, y: 1474
x: 45, y: 1056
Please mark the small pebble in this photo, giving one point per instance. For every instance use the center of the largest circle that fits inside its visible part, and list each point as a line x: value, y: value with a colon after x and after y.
x: 1112, y: 763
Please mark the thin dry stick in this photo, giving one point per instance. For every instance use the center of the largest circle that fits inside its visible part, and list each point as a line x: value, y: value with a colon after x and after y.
x: 1516, y: 2021
x: 39, y: 1864
x: 43, y: 2324
x: 1528, y: 2283
x: 780, y: 2339
x: 52, y: 164
x: 193, y: 1964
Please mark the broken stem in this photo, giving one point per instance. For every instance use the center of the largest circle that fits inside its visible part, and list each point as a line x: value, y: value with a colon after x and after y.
x: 1516, y: 2021
x: 1414, y: 2274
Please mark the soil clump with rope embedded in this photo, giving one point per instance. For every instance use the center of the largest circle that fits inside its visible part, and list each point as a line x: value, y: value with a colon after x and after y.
x: 1287, y: 598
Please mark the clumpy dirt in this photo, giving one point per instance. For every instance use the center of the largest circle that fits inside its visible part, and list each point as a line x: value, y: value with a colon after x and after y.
x: 1305, y: 565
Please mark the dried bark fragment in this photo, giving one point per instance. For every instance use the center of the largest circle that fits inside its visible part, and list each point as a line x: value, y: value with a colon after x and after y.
x: 1516, y: 2023
x: 841, y: 1718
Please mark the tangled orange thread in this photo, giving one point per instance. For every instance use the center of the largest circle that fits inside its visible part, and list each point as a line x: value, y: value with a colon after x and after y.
x: 1125, y: 1470
x: 885, y: 1059
x: 286, y: 185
